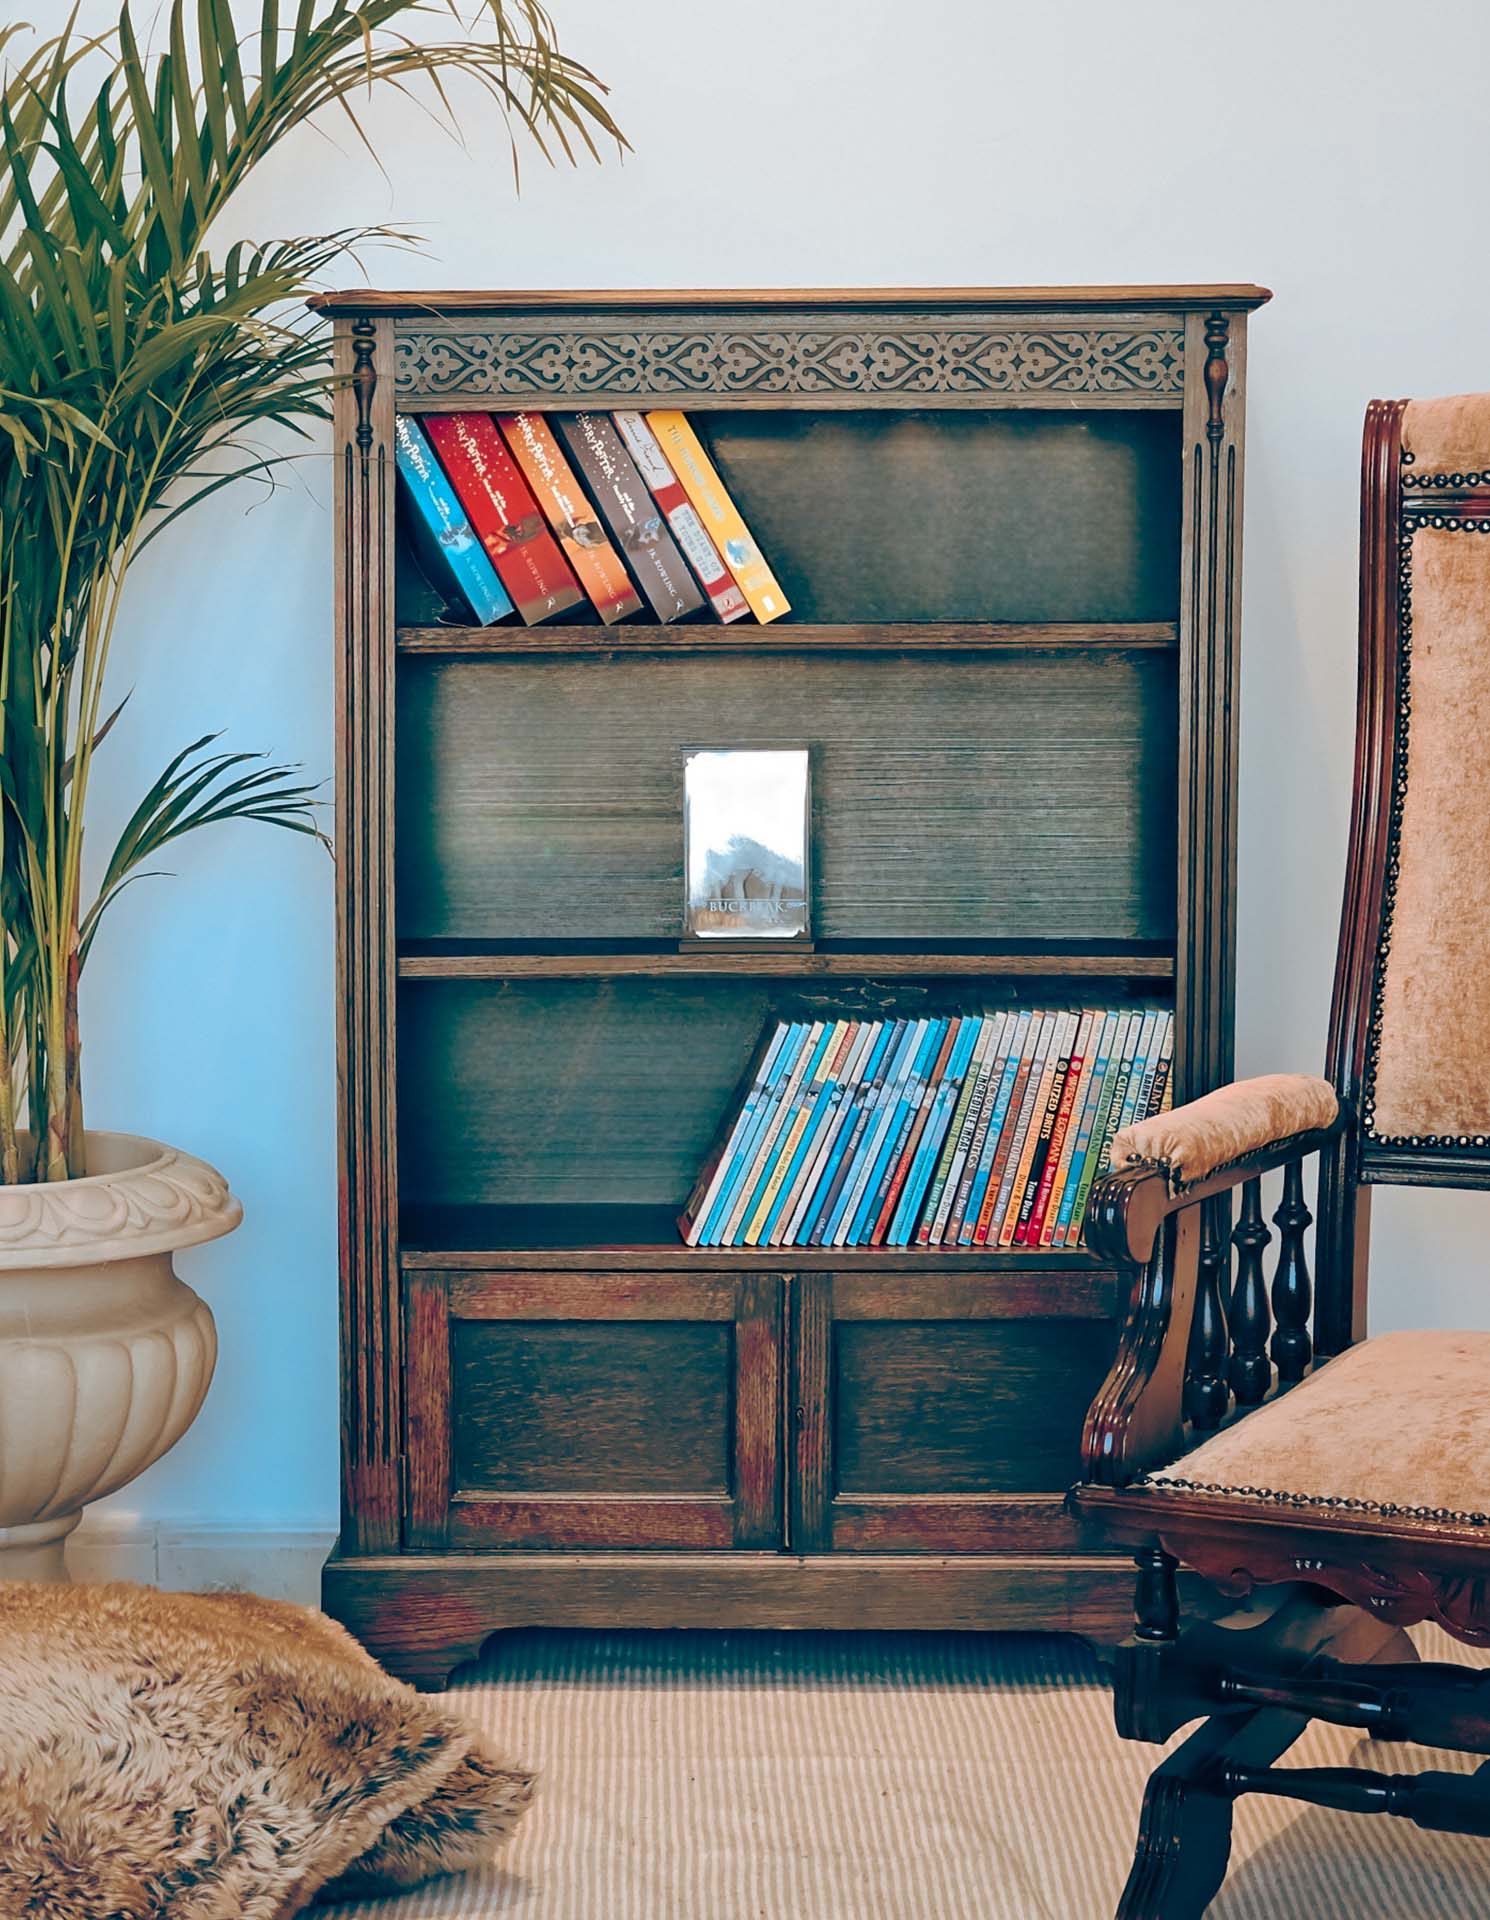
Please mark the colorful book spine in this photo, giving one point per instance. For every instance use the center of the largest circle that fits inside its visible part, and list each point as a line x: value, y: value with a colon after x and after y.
x: 711, y: 1176
x: 726, y: 601
x: 943, y: 1192
x: 916, y: 1198
x: 503, y: 514
x: 1034, y: 1233
x: 763, y: 1205
x: 758, y: 1172
x: 1090, y: 1101
x: 1162, y: 1098
x: 1161, y: 1051
x: 1002, y: 1153
x: 1041, y: 1128
x: 872, y: 1150
x: 633, y: 516
x: 743, y: 1155
x: 1146, y: 1044
x: 845, y: 1181
x: 840, y: 1157
x: 685, y: 454
x: 906, y: 1096
x: 1110, y: 1112
x: 1004, y: 1200
x: 803, y: 1150
x: 915, y: 1126
x: 1068, y: 1122
x: 840, y: 1098
x: 444, y: 538
x: 596, y: 564
x: 991, y: 1129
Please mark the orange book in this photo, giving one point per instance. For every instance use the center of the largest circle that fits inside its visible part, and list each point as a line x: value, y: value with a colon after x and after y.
x: 721, y: 517
x: 596, y: 563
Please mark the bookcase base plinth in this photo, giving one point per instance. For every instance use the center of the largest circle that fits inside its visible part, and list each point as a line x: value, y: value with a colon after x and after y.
x: 423, y: 1615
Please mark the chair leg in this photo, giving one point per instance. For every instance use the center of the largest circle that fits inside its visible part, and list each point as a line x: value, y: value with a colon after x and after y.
x: 1184, y: 1831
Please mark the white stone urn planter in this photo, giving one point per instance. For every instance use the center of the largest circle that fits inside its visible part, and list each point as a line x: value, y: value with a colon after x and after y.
x: 105, y: 1355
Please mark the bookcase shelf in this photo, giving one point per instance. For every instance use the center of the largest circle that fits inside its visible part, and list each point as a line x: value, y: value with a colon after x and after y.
x: 463, y: 960
x: 1008, y: 525
x: 929, y: 636
x: 641, y: 1238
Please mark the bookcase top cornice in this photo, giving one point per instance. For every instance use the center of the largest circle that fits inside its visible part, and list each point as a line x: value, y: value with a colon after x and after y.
x: 415, y: 304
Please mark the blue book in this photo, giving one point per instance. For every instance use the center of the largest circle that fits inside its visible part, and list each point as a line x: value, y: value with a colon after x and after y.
x: 998, y: 1113
x: 716, y: 1171
x: 819, y: 1105
x: 796, y: 1098
x: 448, y: 548
x: 838, y: 1201
x: 809, y: 1183
x: 835, y: 1167
x: 899, y: 1063
x: 1101, y: 1060
x: 900, y: 1117
x: 943, y: 1100
x: 743, y: 1154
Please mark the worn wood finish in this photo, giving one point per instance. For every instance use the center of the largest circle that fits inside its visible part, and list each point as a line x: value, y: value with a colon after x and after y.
x: 1013, y: 608
x: 542, y: 802
x: 637, y: 1411
x: 938, y: 1416
x: 1170, y: 298
x: 421, y: 1615
x: 371, y: 1379
x: 797, y: 636
x: 458, y: 960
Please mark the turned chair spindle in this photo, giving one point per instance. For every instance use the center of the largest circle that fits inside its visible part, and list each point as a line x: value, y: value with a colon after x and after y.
x: 1207, y: 1387
x: 1251, y: 1371
x: 1292, y: 1348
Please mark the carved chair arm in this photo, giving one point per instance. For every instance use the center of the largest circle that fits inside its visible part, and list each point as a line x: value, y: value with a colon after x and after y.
x: 1146, y: 1216
x: 1178, y: 1159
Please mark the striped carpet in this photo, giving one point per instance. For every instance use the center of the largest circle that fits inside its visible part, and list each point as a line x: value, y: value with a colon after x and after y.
x: 879, y: 1777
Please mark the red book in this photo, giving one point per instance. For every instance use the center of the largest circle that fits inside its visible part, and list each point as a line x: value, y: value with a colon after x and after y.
x: 1029, y: 1234
x: 913, y: 1137
x: 503, y: 513
x: 725, y: 597
x: 568, y: 511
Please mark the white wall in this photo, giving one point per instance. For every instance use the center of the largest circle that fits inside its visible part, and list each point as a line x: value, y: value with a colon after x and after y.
x: 1326, y: 150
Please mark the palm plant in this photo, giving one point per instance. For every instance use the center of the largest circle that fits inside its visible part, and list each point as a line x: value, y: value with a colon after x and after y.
x: 137, y: 367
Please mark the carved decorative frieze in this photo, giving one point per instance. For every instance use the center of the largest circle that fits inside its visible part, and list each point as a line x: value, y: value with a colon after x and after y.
x: 685, y: 359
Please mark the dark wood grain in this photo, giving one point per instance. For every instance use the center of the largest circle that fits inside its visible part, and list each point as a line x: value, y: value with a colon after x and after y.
x: 427, y: 1416
x: 420, y: 1615
x: 794, y: 636
x: 371, y: 1375
x: 459, y: 960
x: 760, y: 1352
x: 1035, y: 801
x: 809, y: 1397
x: 1170, y: 298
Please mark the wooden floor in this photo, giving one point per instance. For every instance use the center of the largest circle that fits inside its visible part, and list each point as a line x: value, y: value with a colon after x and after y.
x: 878, y: 1777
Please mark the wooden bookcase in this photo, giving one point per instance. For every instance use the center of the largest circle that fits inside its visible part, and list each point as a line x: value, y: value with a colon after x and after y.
x: 1009, y: 522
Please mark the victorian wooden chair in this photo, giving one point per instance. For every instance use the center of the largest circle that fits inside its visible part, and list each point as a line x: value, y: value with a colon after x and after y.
x: 1265, y: 1440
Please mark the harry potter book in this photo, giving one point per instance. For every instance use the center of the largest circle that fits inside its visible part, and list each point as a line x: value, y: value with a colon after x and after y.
x: 721, y: 517
x: 631, y: 513
x: 503, y: 514
x: 443, y: 536
x: 726, y: 601
x: 593, y: 558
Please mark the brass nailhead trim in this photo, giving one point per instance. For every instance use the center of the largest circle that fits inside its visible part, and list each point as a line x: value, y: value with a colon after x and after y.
x: 1334, y: 1503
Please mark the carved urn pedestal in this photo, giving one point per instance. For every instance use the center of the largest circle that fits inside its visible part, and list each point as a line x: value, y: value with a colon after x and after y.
x: 105, y: 1355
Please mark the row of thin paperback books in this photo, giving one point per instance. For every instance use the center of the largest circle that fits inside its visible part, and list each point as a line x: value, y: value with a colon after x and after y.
x: 538, y: 513
x: 968, y: 1130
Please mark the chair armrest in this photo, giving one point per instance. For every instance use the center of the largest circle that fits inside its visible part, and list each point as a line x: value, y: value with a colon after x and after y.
x: 1175, y: 1160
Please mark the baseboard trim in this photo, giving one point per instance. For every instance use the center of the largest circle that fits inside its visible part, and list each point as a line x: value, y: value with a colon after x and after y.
x: 280, y: 1563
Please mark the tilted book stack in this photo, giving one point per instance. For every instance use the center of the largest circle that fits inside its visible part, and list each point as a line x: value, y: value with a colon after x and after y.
x: 502, y: 519
x: 952, y: 1130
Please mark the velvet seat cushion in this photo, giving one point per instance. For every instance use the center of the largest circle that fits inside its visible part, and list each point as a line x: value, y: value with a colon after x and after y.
x: 1397, y: 1427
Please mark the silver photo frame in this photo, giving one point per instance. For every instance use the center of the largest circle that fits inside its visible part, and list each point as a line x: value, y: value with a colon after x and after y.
x: 747, y: 816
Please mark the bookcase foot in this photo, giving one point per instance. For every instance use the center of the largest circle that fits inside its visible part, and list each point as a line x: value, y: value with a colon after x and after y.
x: 423, y: 1615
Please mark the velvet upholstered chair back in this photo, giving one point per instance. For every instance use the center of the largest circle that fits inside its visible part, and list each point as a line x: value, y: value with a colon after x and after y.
x: 1410, y: 1026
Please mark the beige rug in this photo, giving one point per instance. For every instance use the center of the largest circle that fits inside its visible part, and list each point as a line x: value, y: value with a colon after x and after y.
x: 871, y: 1777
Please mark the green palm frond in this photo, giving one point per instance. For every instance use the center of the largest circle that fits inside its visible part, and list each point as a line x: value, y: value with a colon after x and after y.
x: 139, y: 371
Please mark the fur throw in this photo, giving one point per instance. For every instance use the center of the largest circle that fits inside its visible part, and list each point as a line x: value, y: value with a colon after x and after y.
x: 221, y: 1757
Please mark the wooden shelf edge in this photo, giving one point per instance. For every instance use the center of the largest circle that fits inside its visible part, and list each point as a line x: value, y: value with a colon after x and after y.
x: 740, y: 636
x: 473, y: 964
x: 676, y: 1258
x: 1175, y: 297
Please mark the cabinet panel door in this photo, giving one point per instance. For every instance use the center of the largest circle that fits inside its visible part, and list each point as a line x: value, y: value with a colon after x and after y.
x: 593, y: 1410
x: 943, y: 1414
